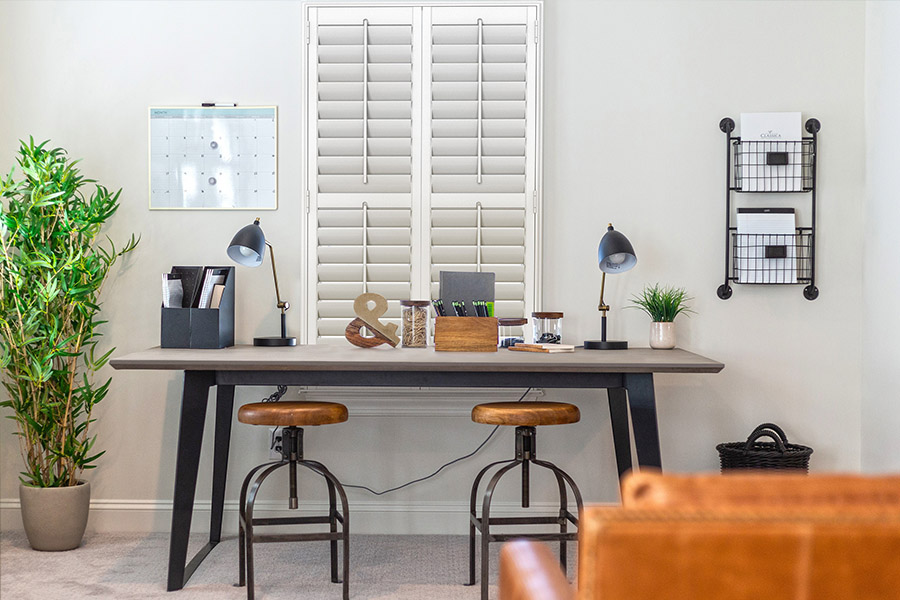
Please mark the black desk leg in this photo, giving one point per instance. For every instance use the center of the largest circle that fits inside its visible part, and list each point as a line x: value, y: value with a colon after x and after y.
x: 618, y: 414
x: 642, y: 402
x: 190, y: 437
x: 224, y: 409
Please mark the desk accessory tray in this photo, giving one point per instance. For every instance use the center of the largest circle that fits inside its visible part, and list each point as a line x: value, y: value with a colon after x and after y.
x: 192, y: 327
x: 465, y: 334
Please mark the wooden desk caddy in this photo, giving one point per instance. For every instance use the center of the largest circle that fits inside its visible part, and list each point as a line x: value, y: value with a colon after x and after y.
x: 465, y: 334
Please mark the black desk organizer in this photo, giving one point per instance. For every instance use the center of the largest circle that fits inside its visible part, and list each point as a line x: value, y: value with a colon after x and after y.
x: 803, y: 155
x: 192, y: 327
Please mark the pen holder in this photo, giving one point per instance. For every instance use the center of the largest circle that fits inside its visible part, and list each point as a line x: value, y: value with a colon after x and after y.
x: 465, y: 334
x: 191, y: 327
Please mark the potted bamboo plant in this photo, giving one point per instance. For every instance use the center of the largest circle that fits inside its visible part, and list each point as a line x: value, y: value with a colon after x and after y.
x: 662, y: 304
x: 52, y: 268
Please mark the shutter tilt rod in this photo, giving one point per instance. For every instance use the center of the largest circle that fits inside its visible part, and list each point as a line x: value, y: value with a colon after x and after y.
x: 480, y: 78
x: 478, y: 237
x: 365, y: 123
x: 365, y: 250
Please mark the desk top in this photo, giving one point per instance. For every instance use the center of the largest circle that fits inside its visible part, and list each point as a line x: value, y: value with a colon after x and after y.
x: 345, y: 358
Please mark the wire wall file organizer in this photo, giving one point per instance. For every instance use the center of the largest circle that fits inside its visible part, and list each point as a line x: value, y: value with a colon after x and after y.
x: 776, y: 167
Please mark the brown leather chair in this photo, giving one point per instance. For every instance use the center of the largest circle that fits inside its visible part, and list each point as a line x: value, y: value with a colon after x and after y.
x: 820, y: 537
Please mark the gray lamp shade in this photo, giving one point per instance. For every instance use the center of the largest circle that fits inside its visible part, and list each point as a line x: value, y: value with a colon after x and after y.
x: 615, y: 254
x: 248, y: 246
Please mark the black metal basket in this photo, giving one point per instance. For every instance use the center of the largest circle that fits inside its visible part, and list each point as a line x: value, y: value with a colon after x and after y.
x: 752, y: 454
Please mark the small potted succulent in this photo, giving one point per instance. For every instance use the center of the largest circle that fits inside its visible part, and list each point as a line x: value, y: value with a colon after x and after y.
x: 53, y: 262
x: 662, y: 304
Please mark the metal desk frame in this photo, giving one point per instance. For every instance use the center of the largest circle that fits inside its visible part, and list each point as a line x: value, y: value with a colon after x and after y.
x: 627, y: 389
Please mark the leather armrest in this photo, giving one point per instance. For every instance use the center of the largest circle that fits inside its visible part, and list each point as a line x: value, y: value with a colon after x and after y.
x: 760, y: 490
x: 530, y: 571
x: 739, y: 554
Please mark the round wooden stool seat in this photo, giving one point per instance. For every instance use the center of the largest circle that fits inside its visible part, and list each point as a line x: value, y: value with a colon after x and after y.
x: 292, y: 414
x: 526, y: 414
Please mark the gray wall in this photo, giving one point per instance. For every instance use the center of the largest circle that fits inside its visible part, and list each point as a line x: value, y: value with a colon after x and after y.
x: 881, y: 268
x: 633, y: 94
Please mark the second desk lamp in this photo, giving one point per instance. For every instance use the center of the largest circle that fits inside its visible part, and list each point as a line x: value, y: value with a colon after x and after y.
x: 616, y: 255
x: 247, y: 247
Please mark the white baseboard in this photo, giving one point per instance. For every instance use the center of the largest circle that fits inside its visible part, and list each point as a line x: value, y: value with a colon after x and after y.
x: 146, y: 516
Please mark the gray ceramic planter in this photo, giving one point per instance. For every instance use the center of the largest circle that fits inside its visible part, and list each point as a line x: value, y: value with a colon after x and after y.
x: 55, y: 518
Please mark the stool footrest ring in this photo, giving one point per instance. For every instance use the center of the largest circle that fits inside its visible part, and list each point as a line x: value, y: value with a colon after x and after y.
x: 526, y: 455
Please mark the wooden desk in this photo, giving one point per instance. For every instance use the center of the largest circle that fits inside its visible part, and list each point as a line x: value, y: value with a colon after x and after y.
x: 627, y: 376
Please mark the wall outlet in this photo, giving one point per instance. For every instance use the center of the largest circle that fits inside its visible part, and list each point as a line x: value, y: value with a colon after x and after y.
x: 275, y: 443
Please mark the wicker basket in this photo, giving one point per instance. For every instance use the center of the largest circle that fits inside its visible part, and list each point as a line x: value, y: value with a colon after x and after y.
x: 778, y: 454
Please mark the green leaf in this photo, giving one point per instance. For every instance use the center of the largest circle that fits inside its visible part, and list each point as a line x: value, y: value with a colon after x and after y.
x: 662, y: 304
x: 53, y: 270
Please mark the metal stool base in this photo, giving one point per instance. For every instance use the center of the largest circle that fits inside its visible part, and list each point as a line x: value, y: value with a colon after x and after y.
x: 292, y: 456
x: 525, y: 456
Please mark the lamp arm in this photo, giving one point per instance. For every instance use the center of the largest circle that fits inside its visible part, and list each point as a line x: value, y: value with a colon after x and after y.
x: 281, y: 304
x: 603, y: 308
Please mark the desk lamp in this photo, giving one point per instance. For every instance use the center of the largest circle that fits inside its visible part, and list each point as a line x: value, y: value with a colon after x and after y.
x: 247, y: 247
x: 616, y: 255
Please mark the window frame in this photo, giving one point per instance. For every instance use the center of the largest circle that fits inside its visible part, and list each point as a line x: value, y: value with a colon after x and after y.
x: 420, y: 243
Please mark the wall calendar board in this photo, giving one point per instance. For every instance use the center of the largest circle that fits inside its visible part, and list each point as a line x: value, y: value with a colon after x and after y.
x: 213, y: 158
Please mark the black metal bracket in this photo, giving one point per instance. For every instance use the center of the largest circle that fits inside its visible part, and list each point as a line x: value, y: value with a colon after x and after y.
x: 292, y: 443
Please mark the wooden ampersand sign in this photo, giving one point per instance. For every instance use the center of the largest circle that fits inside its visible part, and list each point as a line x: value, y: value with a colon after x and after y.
x: 385, y: 333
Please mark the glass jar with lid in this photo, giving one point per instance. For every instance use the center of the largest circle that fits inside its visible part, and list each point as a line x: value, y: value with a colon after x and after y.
x: 547, y: 327
x: 414, y: 332
x: 511, y: 332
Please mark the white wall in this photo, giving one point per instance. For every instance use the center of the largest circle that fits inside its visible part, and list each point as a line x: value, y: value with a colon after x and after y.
x: 633, y: 95
x: 881, y: 267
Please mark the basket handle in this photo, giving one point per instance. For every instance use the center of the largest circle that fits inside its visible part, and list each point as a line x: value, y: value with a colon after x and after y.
x: 771, y: 430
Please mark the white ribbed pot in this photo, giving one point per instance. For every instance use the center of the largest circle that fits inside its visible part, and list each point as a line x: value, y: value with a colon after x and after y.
x: 55, y: 517
x: 662, y: 335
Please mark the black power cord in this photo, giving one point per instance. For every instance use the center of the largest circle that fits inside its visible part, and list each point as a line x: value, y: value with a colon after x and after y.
x: 441, y: 468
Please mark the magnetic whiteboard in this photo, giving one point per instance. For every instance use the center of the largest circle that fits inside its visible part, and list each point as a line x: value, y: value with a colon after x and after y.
x: 213, y: 158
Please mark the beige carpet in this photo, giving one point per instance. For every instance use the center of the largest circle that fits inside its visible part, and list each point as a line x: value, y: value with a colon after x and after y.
x: 134, y: 566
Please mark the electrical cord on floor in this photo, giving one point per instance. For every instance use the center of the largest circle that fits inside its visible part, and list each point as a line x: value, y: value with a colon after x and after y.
x: 441, y: 468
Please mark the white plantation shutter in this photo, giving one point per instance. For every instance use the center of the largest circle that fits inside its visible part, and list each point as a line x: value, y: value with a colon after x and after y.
x: 361, y: 88
x: 483, y: 113
x: 422, y: 154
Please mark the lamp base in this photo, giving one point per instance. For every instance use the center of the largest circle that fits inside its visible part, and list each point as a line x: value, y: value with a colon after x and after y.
x: 275, y: 341
x: 604, y: 345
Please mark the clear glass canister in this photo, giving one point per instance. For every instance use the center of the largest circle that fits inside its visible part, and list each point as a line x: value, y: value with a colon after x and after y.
x: 547, y: 327
x: 414, y: 331
x: 511, y: 332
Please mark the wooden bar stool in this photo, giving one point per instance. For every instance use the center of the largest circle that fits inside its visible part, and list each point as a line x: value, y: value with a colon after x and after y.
x: 292, y: 417
x: 526, y: 416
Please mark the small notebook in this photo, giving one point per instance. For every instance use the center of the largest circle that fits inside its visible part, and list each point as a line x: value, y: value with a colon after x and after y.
x: 172, y: 290
x: 760, y: 229
x: 211, y: 278
x: 466, y: 287
x: 775, y: 133
x: 216, y: 300
x: 548, y: 348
